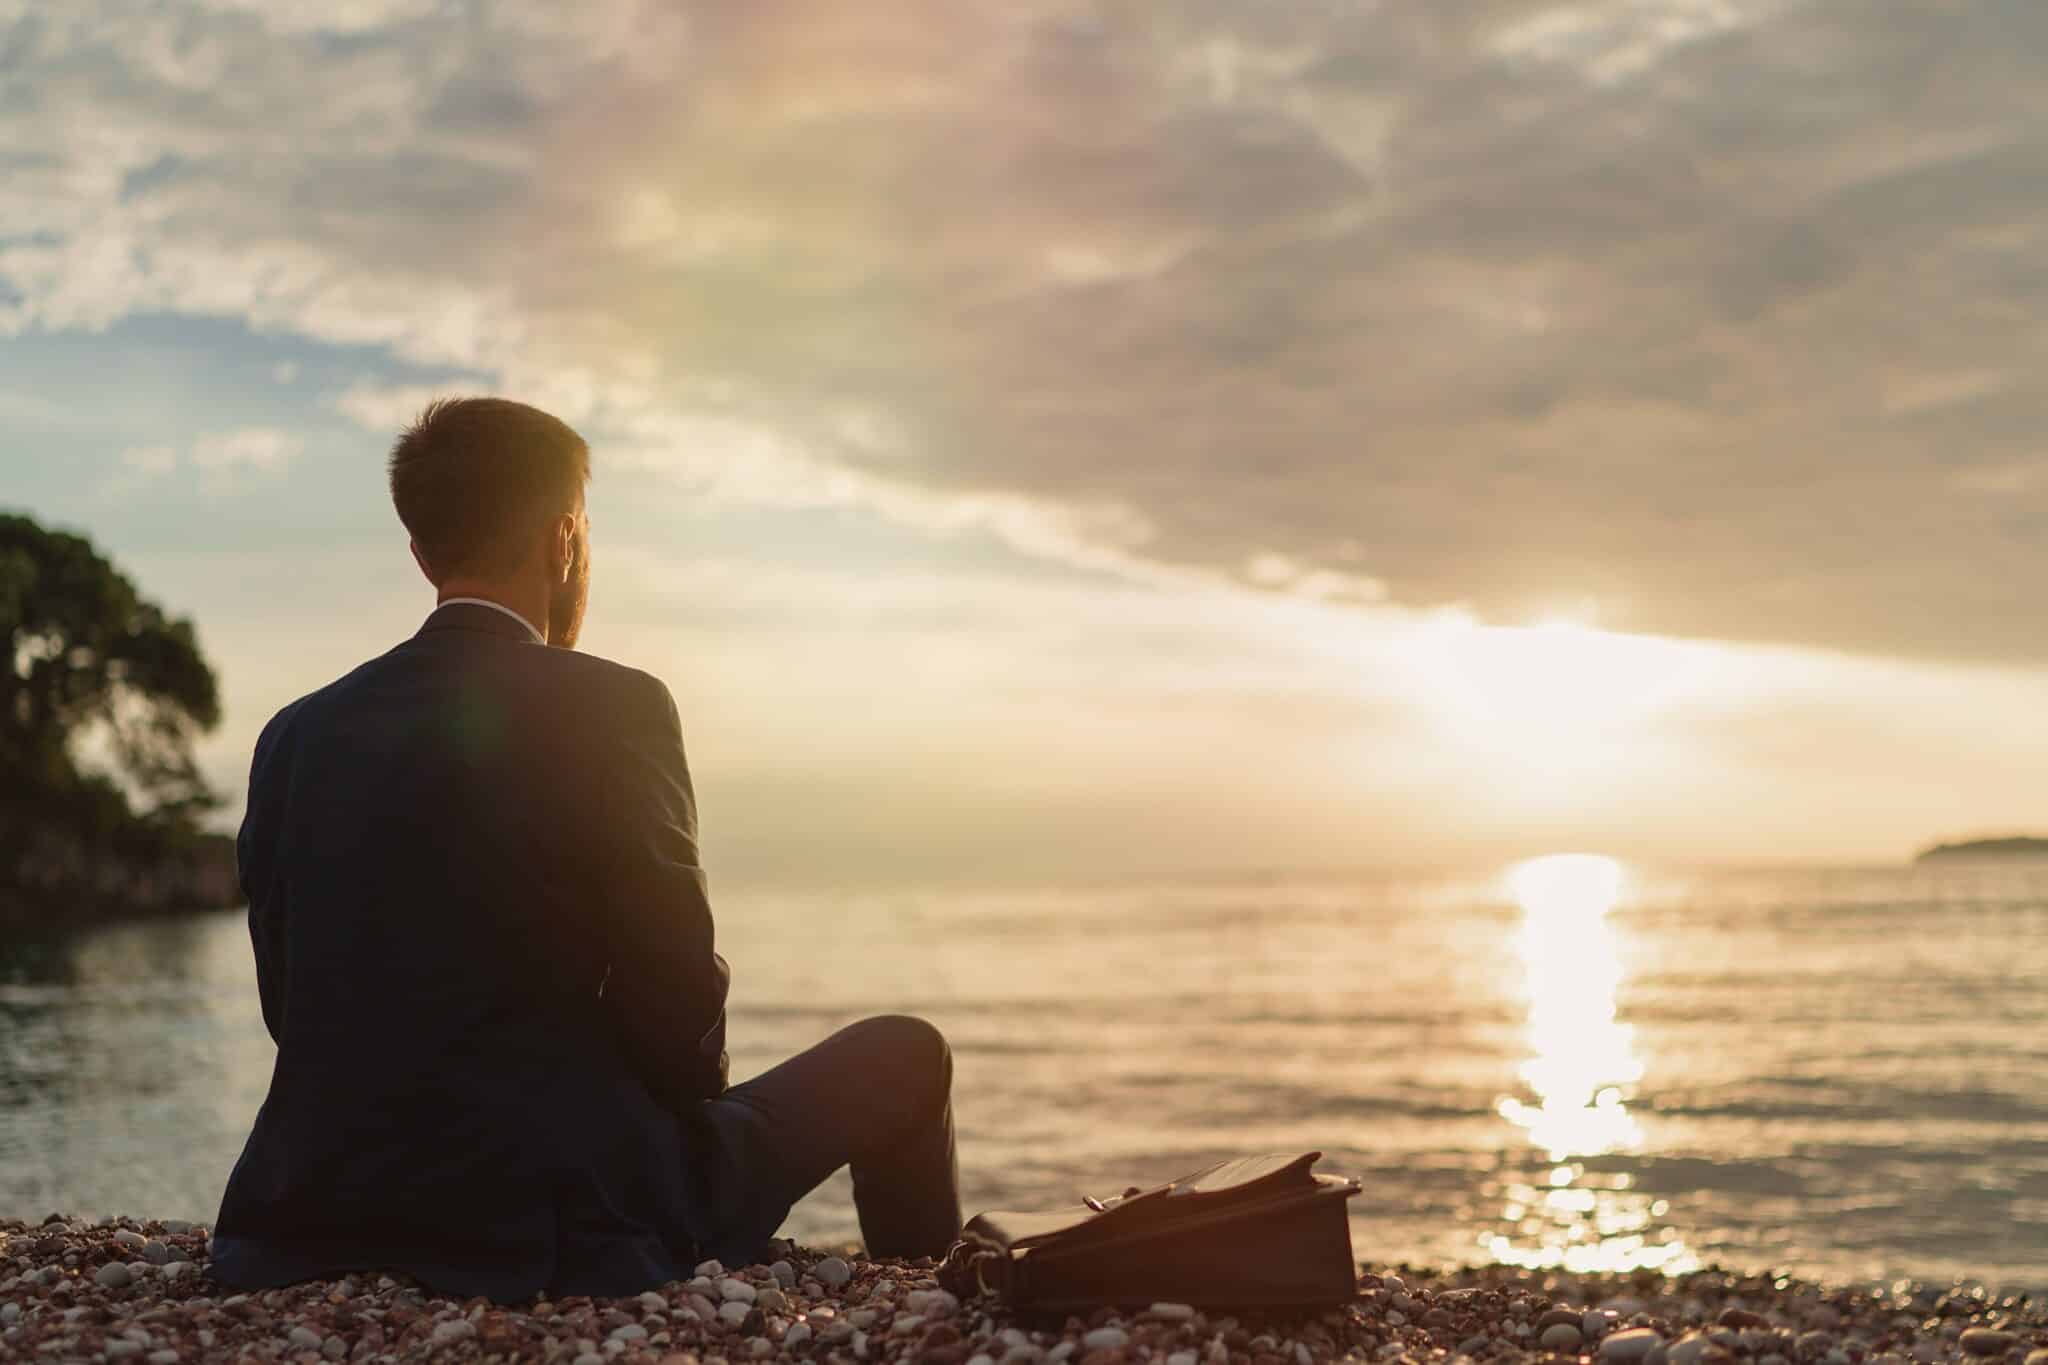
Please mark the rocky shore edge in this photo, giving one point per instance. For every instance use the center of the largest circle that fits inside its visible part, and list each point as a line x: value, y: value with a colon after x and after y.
x: 137, y: 1290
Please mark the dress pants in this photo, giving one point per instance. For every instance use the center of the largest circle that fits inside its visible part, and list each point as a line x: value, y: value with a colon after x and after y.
x: 876, y: 1096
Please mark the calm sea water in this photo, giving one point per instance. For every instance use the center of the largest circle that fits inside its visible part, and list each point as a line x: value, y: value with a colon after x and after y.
x: 1842, y: 1074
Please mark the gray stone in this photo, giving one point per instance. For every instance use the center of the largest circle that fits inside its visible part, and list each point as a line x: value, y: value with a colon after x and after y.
x: 308, y: 1339
x: 833, y: 1272
x: 588, y: 1358
x: 797, y: 1335
x: 931, y: 1302
x: 114, y: 1276
x: 1105, y: 1338
x: 177, y: 1227
x: 458, y: 1330
x: 163, y: 1357
x: 733, y: 1311
x: 1561, y: 1336
x: 1631, y: 1344
x: 651, y: 1302
x: 155, y: 1252
x: 632, y: 1331
x: 121, y: 1350
x: 711, y: 1269
x: 1688, y: 1349
x: 1594, y: 1324
x: 10, y: 1313
x: 1172, y: 1312
x: 737, y: 1291
x: 334, y: 1348
x: 1474, y: 1346
x: 784, y: 1273
x: 771, y: 1300
x: 177, y: 1270
x: 128, y: 1238
x: 1181, y: 1358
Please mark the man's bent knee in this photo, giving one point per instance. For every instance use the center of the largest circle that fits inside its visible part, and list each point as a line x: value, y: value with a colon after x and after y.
x: 917, y: 1047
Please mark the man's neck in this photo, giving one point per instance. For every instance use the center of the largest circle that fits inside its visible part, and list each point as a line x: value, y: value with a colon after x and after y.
x: 528, y: 607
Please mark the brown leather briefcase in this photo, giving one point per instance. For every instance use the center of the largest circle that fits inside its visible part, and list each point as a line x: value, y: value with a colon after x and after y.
x: 1257, y: 1232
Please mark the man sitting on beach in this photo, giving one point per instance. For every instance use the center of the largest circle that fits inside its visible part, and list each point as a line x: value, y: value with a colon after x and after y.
x: 484, y: 950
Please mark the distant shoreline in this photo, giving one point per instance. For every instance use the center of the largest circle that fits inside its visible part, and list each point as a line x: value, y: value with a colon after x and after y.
x: 2015, y: 846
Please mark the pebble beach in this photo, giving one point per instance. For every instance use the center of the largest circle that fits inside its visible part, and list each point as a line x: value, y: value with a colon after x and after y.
x: 126, y: 1289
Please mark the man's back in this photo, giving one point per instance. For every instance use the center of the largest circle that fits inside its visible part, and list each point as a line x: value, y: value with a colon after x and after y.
x: 485, y: 954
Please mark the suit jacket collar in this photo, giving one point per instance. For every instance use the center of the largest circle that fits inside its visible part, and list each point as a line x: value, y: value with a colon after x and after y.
x: 481, y: 620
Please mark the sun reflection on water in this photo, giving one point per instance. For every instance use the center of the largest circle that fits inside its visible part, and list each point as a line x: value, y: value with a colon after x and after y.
x: 1581, y: 1074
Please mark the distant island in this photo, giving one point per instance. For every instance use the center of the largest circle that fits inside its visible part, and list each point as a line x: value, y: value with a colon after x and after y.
x: 2017, y: 846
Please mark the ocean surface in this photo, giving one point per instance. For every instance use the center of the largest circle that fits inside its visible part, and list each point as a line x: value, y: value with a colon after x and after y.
x: 1841, y: 1074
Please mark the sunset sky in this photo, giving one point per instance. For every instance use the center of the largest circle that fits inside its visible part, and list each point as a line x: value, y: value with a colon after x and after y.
x: 1071, y: 439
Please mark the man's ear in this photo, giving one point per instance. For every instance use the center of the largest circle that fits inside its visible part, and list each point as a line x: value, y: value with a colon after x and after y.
x: 421, y: 560
x: 562, y: 557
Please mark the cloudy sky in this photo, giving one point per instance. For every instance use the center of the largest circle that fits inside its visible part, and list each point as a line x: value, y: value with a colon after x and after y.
x: 1082, y: 438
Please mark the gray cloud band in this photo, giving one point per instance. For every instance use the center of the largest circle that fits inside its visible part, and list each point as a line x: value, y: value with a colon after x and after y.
x: 1722, y: 314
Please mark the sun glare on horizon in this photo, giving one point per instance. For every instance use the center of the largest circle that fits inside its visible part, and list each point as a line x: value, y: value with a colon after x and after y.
x: 1560, y: 697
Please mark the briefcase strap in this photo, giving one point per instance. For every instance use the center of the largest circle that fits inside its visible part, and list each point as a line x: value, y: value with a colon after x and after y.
x: 973, y: 1267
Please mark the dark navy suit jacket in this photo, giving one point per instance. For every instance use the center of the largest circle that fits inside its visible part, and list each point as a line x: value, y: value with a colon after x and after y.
x: 484, y: 950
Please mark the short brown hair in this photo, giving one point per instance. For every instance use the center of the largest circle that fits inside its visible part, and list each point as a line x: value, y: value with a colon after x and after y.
x: 474, y: 476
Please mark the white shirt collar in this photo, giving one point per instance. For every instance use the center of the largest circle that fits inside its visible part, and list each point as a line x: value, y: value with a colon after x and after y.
x: 531, y: 629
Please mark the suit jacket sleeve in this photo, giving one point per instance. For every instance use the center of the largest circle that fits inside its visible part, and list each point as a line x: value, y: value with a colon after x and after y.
x: 664, y: 996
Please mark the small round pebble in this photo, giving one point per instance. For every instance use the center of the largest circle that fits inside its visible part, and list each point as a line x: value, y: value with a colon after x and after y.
x: 1105, y: 1339
x: 1630, y: 1344
x: 113, y: 1275
x: 457, y: 1330
x: 833, y: 1272
x: 1687, y: 1350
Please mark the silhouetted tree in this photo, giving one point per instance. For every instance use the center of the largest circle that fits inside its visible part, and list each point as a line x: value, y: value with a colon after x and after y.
x: 100, y: 699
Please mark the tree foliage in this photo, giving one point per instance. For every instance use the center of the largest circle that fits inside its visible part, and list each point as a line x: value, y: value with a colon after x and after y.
x: 100, y: 703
